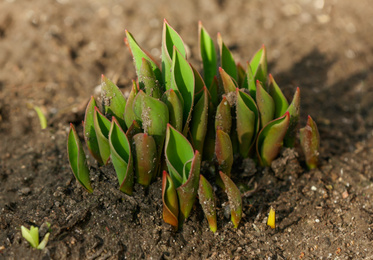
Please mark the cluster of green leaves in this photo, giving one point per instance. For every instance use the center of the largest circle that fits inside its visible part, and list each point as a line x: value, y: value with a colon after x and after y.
x: 32, y: 236
x: 174, y: 119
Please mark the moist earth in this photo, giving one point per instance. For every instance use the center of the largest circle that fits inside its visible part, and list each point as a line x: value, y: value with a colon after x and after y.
x: 52, y: 55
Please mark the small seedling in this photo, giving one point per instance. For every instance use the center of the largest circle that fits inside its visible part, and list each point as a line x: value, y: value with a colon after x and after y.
x: 175, y: 118
x: 32, y: 236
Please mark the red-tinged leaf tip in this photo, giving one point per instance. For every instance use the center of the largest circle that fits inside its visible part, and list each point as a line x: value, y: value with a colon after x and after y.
x: 221, y: 69
x: 257, y: 81
x: 165, y: 20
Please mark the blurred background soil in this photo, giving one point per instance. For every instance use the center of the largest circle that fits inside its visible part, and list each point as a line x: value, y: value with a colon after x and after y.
x: 52, y: 54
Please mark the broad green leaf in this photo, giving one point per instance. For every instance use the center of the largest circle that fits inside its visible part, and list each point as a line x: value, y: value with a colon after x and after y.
x: 198, y: 124
x: 113, y: 100
x: 310, y: 142
x: 77, y: 159
x: 234, y: 197
x: 259, y: 65
x: 187, y: 192
x: 228, y: 82
x: 138, y: 54
x: 178, y: 151
x: 207, y: 200
x: 270, y: 139
x: 31, y: 235
x: 183, y: 81
x: 281, y: 104
x: 265, y: 105
x: 89, y: 131
x: 170, y: 38
x: 175, y: 108
x: 145, y: 158
x: 154, y: 116
x: 121, y: 157
x: 148, y: 81
x: 170, y: 201
x: 102, y: 128
x: 208, y: 55
x: 294, y: 111
x: 247, y: 122
x: 223, y: 118
x: 226, y: 59
x: 129, y: 114
x: 224, y: 151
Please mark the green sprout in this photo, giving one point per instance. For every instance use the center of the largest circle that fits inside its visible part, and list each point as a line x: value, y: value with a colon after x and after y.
x: 175, y: 118
x: 32, y: 236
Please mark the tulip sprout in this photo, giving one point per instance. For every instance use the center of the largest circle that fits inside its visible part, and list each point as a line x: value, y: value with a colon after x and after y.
x: 174, y: 119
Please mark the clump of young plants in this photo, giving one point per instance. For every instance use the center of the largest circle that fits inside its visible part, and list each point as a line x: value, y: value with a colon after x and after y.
x: 175, y: 118
x: 32, y: 236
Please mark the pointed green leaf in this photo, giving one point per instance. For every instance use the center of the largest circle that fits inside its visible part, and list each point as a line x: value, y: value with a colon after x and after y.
x: 113, y: 100
x: 251, y: 81
x: 207, y: 199
x: 129, y: 114
x: 265, y: 104
x: 247, y: 122
x: 213, y: 90
x: 187, y: 192
x: 224, y: 151
x: 89, y: 131
x: 234, y: 197
x: 183, y: 80
x: 44, y: 242
x: 241, y: 77
x: 310, y: 142
x: 223, y: 118
x: 228, y: 83
x: 138, y: 54
x: 226, y: 59
x: 294, y: 111
x: 270, y: 139
x: 198, y: 125
x: 199, y: 83
x: 121, y: 157
x: 178, y: 151
x: 102, y: 128
x: 170, y: 201
x: 281, y: 104
x: 145, y: 158
x: 175, y: 108
x: 170, y: 38
x: 77, y: 159
x: 148, y: 81
x: 208, y: 55
x: 259, y: 65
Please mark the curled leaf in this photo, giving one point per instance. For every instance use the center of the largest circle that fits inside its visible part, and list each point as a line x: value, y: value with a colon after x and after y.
x: 207, y: 199
x: 102, y: 128
x: 113, y: 100
x: 77, y: 159
x: 265, y: 104
x: 170, y: 201
x: 258, y: 65
x: 234, y: 197
x: 121, y: 156
x: 175, y: 108
x: 145, y: 158
x: 294, y: 112
x: 224, y: 151
x: 270, y: 139
x: 247, y: 122
x: 281, y: 104
x: 310, y: 143
x: 148, y: 80
x: 223, y: 118
x: 89, y: 131
x: 228, y: 82
x: 129, y: 114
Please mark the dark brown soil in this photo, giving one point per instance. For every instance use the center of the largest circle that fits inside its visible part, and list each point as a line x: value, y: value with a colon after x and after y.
x: 52, y: 54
